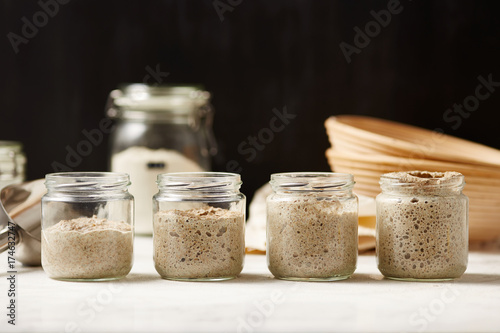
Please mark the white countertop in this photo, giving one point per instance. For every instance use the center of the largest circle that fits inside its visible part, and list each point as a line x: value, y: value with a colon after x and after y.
x: 255, y: 302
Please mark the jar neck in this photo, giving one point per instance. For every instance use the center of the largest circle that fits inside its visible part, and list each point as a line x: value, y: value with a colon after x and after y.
x: 309, y: 183
x: 160, y: 117
x: 10, y: 148
x: 158, y: 103
x: 87, y: 183
x: 422, y: 183
x: 12, y: 160
x: 199, y: 185
x: 10, y: 152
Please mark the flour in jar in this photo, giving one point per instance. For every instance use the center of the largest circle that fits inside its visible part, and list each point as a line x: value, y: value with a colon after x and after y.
x: 143, y: 165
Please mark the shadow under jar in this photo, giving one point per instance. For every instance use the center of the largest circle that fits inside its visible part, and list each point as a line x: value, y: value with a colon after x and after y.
x: 422, y: 226
x: 87, y: 226
x: 312, y: 226
x: 199, y: 226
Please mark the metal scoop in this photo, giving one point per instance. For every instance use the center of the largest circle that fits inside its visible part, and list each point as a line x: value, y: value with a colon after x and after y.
x: 20, y: 203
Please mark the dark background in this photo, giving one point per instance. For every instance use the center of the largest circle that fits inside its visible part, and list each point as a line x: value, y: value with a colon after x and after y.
x: 263, y: 55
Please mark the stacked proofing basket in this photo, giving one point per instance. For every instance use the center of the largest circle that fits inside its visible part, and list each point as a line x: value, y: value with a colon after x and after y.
x: 368, y: 147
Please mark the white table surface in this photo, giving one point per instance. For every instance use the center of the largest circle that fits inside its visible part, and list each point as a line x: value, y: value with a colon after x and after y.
x: 255, y: 302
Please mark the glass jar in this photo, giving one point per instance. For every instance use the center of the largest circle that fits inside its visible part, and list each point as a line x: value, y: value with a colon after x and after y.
x: 422, y: 226
x: 159, y: 129
x: 199, y: 226
x: 312, y: 226
x: 12, y: 163
x: 87, y: 226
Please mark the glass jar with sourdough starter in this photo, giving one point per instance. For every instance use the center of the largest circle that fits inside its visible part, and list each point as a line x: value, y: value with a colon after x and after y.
x: 312, y: 226
x: 199, y: 226
x: 159, y: 129
x: 12, y: 163
x: 422, y: 225
x: 87, y: 226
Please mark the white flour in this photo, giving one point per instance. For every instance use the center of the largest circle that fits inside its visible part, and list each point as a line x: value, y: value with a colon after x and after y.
x: 143, y: 165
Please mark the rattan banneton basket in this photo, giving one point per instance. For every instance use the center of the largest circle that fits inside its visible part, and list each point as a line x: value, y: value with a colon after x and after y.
x: 369, y: 147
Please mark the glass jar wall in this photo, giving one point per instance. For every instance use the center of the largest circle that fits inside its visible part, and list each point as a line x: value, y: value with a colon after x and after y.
x: 199, y: 226
x: 12, y: 163
x: 159, y: 129
x: 87, y: 226
x: 312, y: 226
x: 422, y: 226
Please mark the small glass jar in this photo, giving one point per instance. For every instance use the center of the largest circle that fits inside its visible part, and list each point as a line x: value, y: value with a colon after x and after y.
x: 12, y: 163
x: 159, y: 129
x: 199, y: 226
x: 87, y: 226
x: 422, y: 226
x: 312, y: 226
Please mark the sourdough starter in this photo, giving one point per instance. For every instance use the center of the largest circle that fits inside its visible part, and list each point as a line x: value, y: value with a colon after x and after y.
x: 422, y: 231
x: 311, y: 238
x: 88, y: 249
x: 199, y: 243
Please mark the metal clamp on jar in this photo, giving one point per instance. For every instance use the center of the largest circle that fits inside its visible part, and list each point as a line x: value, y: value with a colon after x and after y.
x: 159, y: 129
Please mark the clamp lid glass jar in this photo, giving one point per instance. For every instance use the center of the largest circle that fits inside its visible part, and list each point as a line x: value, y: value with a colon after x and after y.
x: 422, y: 225
x: 12, y: 163
x: 159, y: 129
x: 199, y: 226
x: 312, y: 226
x: 87, y: 226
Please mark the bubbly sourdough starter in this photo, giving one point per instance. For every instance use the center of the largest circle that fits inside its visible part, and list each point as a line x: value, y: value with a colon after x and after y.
x: 311, y: 239
x: 422, y: 235
x: 87, y: 248
x: 200, y: 243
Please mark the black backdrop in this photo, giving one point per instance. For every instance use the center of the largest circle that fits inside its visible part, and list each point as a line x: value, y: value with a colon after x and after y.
x: 262, y: 55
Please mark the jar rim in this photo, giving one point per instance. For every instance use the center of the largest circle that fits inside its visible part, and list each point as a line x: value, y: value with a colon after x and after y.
x: 199, y: 181
x: 86, y: 180
x: 312, y: 181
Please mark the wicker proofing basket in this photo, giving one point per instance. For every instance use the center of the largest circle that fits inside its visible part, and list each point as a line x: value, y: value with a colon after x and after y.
x: 374, y: 147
